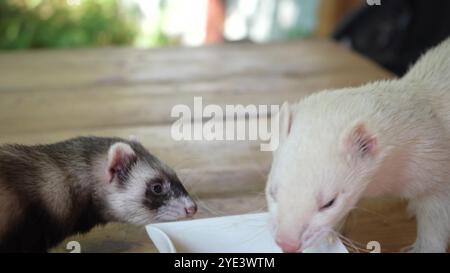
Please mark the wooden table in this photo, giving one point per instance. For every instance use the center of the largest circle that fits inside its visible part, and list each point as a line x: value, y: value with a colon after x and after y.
x: 46, y: 96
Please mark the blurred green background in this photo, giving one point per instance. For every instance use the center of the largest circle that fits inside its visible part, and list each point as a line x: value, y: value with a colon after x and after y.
x: 149, y: 23
x: 61, y: 23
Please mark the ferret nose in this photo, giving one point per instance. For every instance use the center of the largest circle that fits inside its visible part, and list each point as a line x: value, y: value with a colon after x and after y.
x: 287, y: 246
x: 191, y: 210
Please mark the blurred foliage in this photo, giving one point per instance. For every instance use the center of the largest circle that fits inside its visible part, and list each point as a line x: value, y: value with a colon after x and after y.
x: 155, y: 36
x: 65, y: 23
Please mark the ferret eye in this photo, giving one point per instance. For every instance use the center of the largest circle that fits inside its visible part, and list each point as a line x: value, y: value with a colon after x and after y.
x: 329, y: 204
x: 157, y: 188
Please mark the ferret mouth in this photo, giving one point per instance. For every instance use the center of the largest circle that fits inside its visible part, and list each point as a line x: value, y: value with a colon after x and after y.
x: 176, y: 209
x: 170, y: 215
x: 311, y: 239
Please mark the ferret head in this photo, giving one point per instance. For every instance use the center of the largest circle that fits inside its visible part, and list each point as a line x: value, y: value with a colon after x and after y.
x: 319, y: 171
x: 139, y: 188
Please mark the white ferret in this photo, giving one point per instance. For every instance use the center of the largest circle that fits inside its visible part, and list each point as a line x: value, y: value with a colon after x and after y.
x: 384, y: 138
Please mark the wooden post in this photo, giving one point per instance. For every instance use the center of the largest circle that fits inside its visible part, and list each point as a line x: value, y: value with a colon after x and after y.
x: 215, y: 21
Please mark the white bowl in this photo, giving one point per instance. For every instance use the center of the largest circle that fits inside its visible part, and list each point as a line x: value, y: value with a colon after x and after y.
x: 230, y: 234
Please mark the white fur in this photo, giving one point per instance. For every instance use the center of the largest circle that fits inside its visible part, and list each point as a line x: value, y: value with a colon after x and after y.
x: 174, y: 209
x: 410, y: 119
x: 126, y: 204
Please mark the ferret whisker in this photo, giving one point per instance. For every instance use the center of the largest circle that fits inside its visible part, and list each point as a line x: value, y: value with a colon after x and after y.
x: 259, y: 210
x: 203, y: 205
x: 348, y: 242
x: 209, y: 209
x: 253, y: 236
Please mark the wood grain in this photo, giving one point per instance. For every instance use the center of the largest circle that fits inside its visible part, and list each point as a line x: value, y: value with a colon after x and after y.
x: 47, y: 96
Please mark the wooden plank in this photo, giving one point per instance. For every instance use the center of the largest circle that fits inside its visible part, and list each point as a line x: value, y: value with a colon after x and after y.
x: 90, y: 89
x: 84, y: 68
x: 103, y: 107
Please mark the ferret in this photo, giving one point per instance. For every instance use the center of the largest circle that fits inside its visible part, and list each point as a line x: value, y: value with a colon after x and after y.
x: 388, y: 137
x: 48, y: 192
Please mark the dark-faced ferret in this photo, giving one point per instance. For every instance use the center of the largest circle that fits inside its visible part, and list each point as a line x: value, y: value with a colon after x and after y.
x: 48, y: 192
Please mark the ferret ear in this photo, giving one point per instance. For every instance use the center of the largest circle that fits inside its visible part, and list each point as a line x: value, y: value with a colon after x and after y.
x: 285, y: 120
x: 359, y: 141
x: 120, y: 157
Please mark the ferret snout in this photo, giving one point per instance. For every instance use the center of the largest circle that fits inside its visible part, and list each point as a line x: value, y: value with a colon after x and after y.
x: 190, y: 211
x: 185, y: 205
x: 288, y: 246
x: 190, y: 207
x: 288, y: 241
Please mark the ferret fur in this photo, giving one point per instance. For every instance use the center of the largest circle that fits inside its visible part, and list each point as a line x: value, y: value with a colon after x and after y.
x: 388, y: 137
x: 48, y: 192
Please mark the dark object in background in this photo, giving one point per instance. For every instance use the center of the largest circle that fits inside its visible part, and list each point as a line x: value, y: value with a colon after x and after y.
x: 396, y: 33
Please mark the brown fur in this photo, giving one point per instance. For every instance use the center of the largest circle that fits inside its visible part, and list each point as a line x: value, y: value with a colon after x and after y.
x: 10, y: 210
x: 48, y: 192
